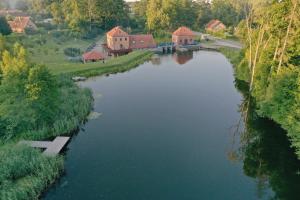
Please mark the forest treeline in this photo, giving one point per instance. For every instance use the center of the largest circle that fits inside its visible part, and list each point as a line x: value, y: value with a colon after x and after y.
x: 144, y: 15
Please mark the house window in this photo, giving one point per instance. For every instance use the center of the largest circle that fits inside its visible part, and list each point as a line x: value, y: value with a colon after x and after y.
x: 125, y: 39
x: 120, y: 39
x: 180, y: 41
x: 116, y: 39
x: 191, y: 40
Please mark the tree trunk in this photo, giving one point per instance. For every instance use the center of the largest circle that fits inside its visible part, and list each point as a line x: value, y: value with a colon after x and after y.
x: 249, y: 31
x: 260, y: 38
x: 276, y: 50
x: 286, y: 37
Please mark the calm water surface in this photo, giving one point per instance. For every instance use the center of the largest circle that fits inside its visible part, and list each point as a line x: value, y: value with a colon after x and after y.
x: 165, y: 132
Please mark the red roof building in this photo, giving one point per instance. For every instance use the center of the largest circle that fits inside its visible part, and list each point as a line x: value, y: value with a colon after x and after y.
x: 141, y: 41
x: 183, y: 36
x: 119, y: 42
x: 20, y: 24
x: 117, y: 32
x: 92, y: 56
x: 215, y: 26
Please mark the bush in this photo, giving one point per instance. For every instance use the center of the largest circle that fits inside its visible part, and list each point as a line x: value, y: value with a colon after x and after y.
x: 4, y: 27
x: 72, y: 52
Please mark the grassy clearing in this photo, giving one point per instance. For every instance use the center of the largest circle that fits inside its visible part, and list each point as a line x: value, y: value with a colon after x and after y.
x: 114, y: 65
x: 48, y: 49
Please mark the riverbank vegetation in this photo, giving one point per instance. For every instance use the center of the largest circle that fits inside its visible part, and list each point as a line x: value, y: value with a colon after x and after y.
x: 25, y: 172
x: 270, y: 62
x: 278, y: 169
x: 35, y: 105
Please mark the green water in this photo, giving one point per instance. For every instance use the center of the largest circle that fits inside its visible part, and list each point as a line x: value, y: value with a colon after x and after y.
x: 167, y: 130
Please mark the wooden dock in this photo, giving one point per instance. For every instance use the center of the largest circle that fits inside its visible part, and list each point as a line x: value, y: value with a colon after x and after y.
x: 51, y: 148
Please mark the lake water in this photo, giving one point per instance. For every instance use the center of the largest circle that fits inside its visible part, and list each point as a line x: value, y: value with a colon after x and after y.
x: 166, y: 132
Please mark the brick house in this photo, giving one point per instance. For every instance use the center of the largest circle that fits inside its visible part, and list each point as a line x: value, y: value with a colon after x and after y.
x: 120, y: 42
x: 183, y: 36
x: 20, y: 24
x: 215, y: 26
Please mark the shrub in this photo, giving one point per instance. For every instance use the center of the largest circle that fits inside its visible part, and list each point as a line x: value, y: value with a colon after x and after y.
x: 72, y: 52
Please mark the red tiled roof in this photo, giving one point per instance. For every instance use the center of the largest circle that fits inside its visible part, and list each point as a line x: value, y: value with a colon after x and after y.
x: 184, y: 31
x: 19, y: 23
x: 214, y: 23
x: 117, y: 32
x: 93, y: 55
x: 141, y: 41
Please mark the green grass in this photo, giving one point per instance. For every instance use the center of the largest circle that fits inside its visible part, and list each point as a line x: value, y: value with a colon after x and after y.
x: 25, y: 172
x: 51, y: 54
x: 115, y: 65
x: 233, y: 54
x: 48, y: 49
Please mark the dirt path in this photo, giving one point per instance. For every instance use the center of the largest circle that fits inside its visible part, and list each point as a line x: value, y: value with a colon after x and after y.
x: 219, y: 42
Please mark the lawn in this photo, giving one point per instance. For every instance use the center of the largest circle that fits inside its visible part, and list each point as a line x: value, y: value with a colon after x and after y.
x: 48, y: 49
x: 113, y: 65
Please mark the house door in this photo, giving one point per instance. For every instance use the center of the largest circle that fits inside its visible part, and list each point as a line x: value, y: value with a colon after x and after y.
x: 185, y: 41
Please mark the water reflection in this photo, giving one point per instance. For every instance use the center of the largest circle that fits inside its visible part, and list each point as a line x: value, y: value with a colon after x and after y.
x: 267, y: 155
x: 155, y: 60
x: 183, y: 58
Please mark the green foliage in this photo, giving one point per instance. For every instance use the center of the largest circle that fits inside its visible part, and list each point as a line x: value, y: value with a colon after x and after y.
x: 271, y: 36
x: 170, y: 14
x: 4, y: 26
x: 226, y: 12
x: 25, y: 172
x: 240, y: 64
x: 84, y: 15
x: 72, y: 52
x: 33, y: 101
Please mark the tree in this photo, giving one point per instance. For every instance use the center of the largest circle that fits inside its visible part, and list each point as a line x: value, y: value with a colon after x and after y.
x: 272, y: 50
x: 224, y: 11
x: 4, y: 27
x: 28, y: 94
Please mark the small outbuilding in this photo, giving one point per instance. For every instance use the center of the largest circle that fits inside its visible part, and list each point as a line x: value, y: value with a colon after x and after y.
x: 92, y: 56
x: 20, y: 24
x: 183, y: 36
x: 215, y: 26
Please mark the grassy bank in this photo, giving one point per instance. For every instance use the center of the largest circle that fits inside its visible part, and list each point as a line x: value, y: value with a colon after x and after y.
x: 114, y: 65
x: 24, y: 172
